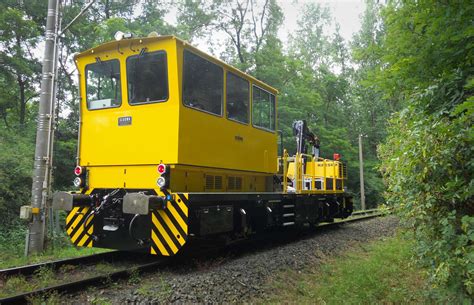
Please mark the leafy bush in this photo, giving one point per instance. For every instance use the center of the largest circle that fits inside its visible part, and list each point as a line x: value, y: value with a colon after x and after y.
x: 12, y: 240
x: 16, y: 165
x: 428, y: 164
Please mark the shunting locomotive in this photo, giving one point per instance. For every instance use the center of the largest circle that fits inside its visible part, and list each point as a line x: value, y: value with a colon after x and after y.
x: 176, y: 145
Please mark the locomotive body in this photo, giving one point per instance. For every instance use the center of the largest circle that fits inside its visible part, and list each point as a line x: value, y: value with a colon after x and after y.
x: 175, y: 144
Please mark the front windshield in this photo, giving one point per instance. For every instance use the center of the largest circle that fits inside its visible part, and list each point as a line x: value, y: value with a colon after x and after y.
x: 147, y: 78
x: 103, y: 85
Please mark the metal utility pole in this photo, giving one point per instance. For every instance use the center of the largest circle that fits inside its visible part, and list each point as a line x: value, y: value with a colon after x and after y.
x: 361, y: 166
x: 42, y: 175
x: 44, y: 133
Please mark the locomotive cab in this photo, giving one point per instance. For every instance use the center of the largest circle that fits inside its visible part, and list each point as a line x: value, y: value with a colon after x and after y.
x: 158, y: 100
x: 128, y: 118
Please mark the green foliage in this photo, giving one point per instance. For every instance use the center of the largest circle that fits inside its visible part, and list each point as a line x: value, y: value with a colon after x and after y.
x: 428, y: 165
x: 13, y: 284
x: 12, y: 239
x: 18, y: 67
x: 425, y: 41
x: 427, y: 159
x: 52, y: 298
x: 134, y: 277
x: 12, y: 250
x: 98, y: 300
x: 16, y: 164
x: 64, y: 160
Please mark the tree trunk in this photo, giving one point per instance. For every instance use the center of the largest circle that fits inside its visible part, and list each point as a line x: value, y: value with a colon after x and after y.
x: 21, y: 85
x: 107, y: 9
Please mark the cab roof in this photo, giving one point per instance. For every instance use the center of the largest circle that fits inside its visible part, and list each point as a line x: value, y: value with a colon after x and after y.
x: 115, y: 45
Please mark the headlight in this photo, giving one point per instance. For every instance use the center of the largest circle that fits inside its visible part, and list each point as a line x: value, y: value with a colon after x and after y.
x: 119, y: 35
x: 161, y: 182
x: 77, y: 182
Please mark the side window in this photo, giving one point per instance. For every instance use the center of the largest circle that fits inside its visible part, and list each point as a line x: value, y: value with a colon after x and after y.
x: 263, y: 109
x: 103, y: 88
x: 147, y: 78
x: 237, y: 98
x: 202, y: 84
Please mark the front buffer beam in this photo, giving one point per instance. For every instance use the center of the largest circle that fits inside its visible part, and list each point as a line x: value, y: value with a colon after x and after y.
x: 66, y: 201
x: 169, y: 219
x: 80, y: 218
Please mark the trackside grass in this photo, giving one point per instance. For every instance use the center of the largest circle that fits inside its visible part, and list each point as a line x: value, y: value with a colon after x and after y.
x: 380, y: 272
x: 10, y: 259
x: 12, y: 247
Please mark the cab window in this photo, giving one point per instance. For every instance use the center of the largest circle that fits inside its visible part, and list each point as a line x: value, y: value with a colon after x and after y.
x: 103, y: 85
x: 203, y: 84
x: 263, y: 109
x: 237, y: 90
x: 147, y: 78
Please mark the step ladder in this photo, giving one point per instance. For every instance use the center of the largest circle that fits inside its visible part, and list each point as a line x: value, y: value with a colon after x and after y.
x: 288, y: 215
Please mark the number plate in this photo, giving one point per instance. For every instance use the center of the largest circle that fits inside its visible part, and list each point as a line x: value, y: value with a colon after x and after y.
x: 125, y: 120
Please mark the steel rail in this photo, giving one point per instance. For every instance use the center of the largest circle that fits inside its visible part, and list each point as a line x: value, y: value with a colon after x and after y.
x: 22, y: 298
x: 31, y: 269
x: 356, y: 216
x: 366, y: 211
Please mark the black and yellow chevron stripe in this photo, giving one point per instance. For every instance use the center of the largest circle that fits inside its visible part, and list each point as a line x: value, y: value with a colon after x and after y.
x: 76, y: 229
x: 170, y: 226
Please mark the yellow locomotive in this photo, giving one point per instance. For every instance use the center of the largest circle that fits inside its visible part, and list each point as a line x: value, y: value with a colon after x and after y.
x: 175, y: 144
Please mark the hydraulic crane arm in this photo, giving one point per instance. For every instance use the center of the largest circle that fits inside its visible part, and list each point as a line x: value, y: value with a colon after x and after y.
x: 303, y: 134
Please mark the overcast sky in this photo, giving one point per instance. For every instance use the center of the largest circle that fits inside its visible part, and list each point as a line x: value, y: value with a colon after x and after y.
x: 346, y: 12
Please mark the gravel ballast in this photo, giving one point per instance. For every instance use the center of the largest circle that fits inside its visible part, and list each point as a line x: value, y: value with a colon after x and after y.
x: 239, y: 277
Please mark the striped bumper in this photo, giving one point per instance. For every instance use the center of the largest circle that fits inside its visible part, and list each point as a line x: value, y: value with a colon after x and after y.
x: 168, y: 234
x: 170, y: 226
x: 78, y: 230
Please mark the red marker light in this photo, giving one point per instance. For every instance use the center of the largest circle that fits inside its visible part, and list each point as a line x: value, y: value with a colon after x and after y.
x: 336, y: 156
x: 161, y: 169
x: 78, y: 170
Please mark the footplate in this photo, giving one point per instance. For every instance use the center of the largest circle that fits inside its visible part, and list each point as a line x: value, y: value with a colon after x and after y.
x: 168, y: 214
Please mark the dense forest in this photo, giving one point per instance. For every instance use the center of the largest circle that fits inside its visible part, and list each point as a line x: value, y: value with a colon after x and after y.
x: 404, y: 81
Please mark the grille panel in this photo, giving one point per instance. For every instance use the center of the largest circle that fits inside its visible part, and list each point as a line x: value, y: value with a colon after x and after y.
x: 234, y: 183
x: 209, y: 182
x: 218, y: 182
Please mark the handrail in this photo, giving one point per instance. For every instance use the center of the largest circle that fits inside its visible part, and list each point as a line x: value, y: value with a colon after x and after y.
x: 300, y: 176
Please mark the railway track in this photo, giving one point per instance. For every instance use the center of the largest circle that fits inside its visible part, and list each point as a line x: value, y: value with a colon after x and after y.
x: 114, y: 257
x: 149, y: 264
x: 31, y: 269
x: 356, y: 216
